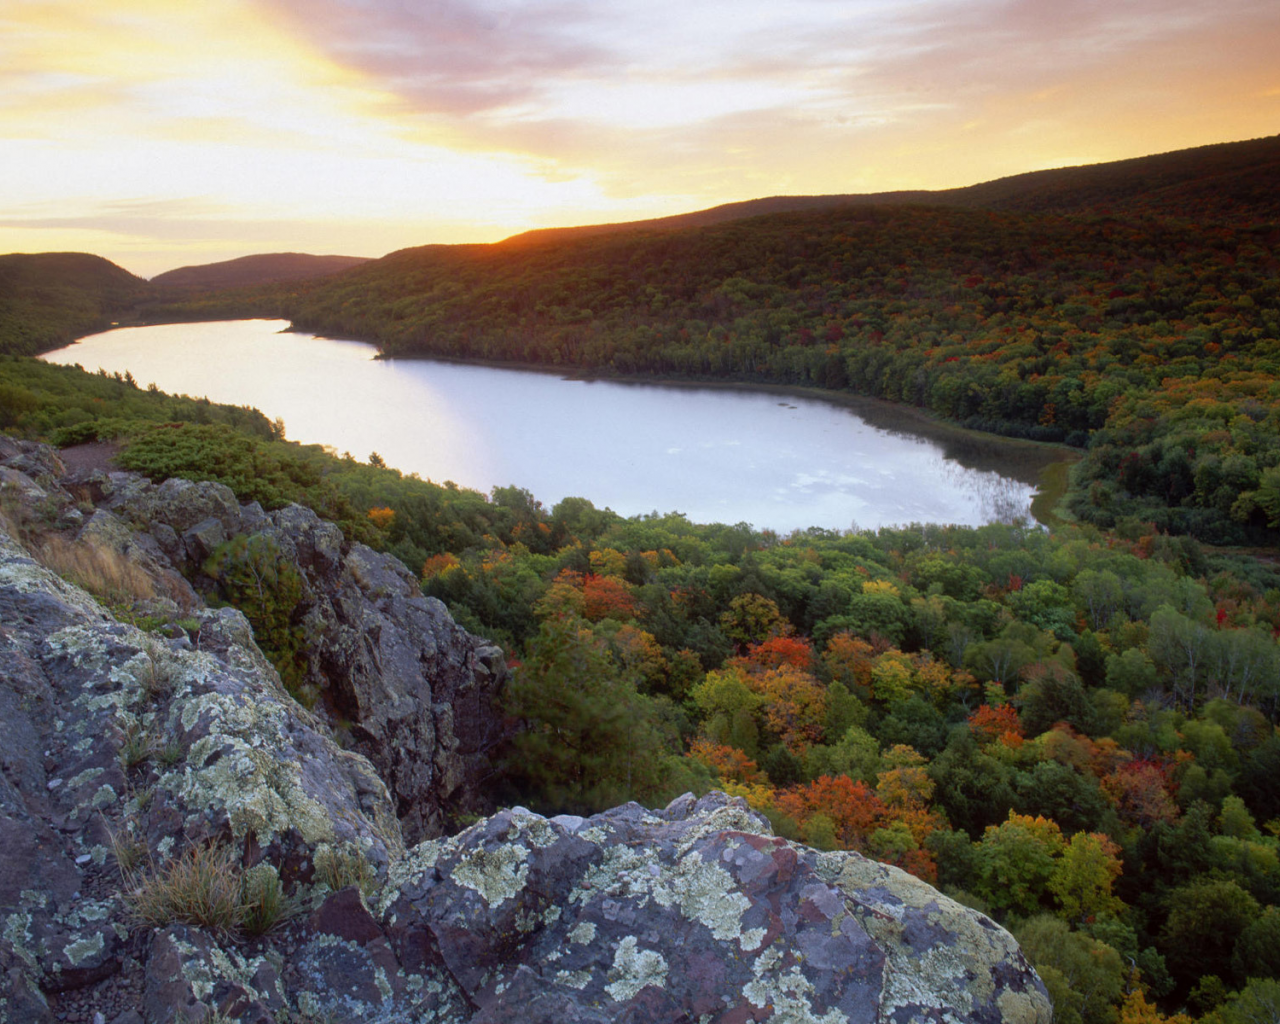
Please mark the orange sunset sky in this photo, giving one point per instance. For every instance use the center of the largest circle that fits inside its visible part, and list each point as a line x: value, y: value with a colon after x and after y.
x: 160, y: 134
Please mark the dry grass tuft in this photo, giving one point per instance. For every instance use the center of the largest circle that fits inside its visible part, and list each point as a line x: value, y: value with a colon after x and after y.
x: 105, y: 573
x: 128, y: 851
x: 206, y: 886
x: 201, y: 887
x: 339, y: 868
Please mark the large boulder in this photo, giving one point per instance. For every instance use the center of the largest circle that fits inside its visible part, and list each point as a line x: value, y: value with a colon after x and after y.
x: 693, y: 913
x: 118, y: 739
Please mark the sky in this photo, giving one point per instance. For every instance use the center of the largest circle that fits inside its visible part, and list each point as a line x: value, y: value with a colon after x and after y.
x: 162, y: 134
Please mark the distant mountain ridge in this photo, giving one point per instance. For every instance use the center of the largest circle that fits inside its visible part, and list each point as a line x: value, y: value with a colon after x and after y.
x: 262, y: 268
x: 1156, y: 184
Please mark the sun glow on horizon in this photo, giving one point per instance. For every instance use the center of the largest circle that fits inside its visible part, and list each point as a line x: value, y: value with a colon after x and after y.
x: 158, y: 135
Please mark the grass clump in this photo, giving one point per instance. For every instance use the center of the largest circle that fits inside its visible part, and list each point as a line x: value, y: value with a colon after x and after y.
x: 266, y: 904
x: 128, y: 850
x: 170, y: 754
x: 339, y: 867
x: 137, y: 747
x: 202, y: 887
x: 207, y: 886
x: 104, y: 572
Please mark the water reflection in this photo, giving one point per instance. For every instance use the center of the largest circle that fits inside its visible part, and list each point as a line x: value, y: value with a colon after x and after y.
x: 722, y: 454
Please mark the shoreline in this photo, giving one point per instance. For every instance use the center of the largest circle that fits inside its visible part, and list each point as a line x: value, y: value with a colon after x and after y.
x: 1041, y: 465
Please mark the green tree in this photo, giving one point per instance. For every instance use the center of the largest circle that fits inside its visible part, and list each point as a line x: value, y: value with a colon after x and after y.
x: 1257, y: 951
x: 590, y: 740
x: 1015, y: 862
x: 1257, y: 1003
x: 1082, y: 880
x: 1206, y: 917
x: 1085, y: 977
x: 253, y: 574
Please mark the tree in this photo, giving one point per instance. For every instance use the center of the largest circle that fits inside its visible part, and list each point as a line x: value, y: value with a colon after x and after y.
x: 1206, y: 917
x: 1051, y: 694
x: 1083, y: 878
x: 1070, y: 797
x: 794, y: 704
x: 1015, y: 861
x: 904, y: 782
x: 253, y: 574
x: 852, y: 808
x: 1257, y: 1003
x: 1084, y: 976
x: 1180, y: 646
x: 1100, y: 595
x: 1140, y: 792
x: 590, y: 740
x: 1136, y: 1009
x: 752, y: 619
x: 1001, y: 723
x: 1257, y: 951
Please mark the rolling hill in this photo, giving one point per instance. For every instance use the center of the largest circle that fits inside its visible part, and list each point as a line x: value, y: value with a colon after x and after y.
x: 265, y: 268
x: 49, y: 299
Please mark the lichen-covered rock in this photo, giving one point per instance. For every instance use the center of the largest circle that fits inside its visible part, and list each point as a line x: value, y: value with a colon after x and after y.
x: 418, y: 691
x: 115, y: 736
x: 123, y: 746
x: 697, y: 913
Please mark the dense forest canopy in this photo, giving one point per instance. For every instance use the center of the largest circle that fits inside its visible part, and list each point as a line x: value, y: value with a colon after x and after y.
x: 1075, y: 731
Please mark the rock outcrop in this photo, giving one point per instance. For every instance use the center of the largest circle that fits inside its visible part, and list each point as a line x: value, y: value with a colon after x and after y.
x: 416, y: 690
x: 132, y: 758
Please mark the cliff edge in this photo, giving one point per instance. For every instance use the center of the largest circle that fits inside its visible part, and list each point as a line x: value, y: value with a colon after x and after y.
x: 184, y: 842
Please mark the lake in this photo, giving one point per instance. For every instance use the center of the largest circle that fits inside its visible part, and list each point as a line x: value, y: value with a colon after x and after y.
x: 774, y: 459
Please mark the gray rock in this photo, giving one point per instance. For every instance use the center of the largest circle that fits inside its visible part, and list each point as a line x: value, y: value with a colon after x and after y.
x: 418, y: 690
x: 534, y: 920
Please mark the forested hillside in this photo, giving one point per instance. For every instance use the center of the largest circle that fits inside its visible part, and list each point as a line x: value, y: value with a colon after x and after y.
x: 1131, y: 308
x: 49, y: 299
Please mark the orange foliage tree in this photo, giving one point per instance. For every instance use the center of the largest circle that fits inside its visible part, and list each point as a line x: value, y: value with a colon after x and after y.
x: 795, y: 706
x: 607, y: 597
x: 1140, y: 791
x: 852, y: 808
x: 776, y: 651
x: 849, y: 659
x: 729, y: 763
x: 1001, y: 723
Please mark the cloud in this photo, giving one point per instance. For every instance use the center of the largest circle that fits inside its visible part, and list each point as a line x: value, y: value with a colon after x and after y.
x: 777, y: 94
x: 453, y: 56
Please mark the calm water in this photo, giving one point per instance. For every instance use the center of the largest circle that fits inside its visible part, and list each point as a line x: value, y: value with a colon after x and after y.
x: 716, y: 455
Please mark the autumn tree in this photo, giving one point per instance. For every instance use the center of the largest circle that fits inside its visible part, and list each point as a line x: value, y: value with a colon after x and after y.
x: 1082, y: 879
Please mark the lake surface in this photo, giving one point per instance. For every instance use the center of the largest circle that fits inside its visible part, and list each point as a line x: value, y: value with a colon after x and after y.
x: 715, y: 454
